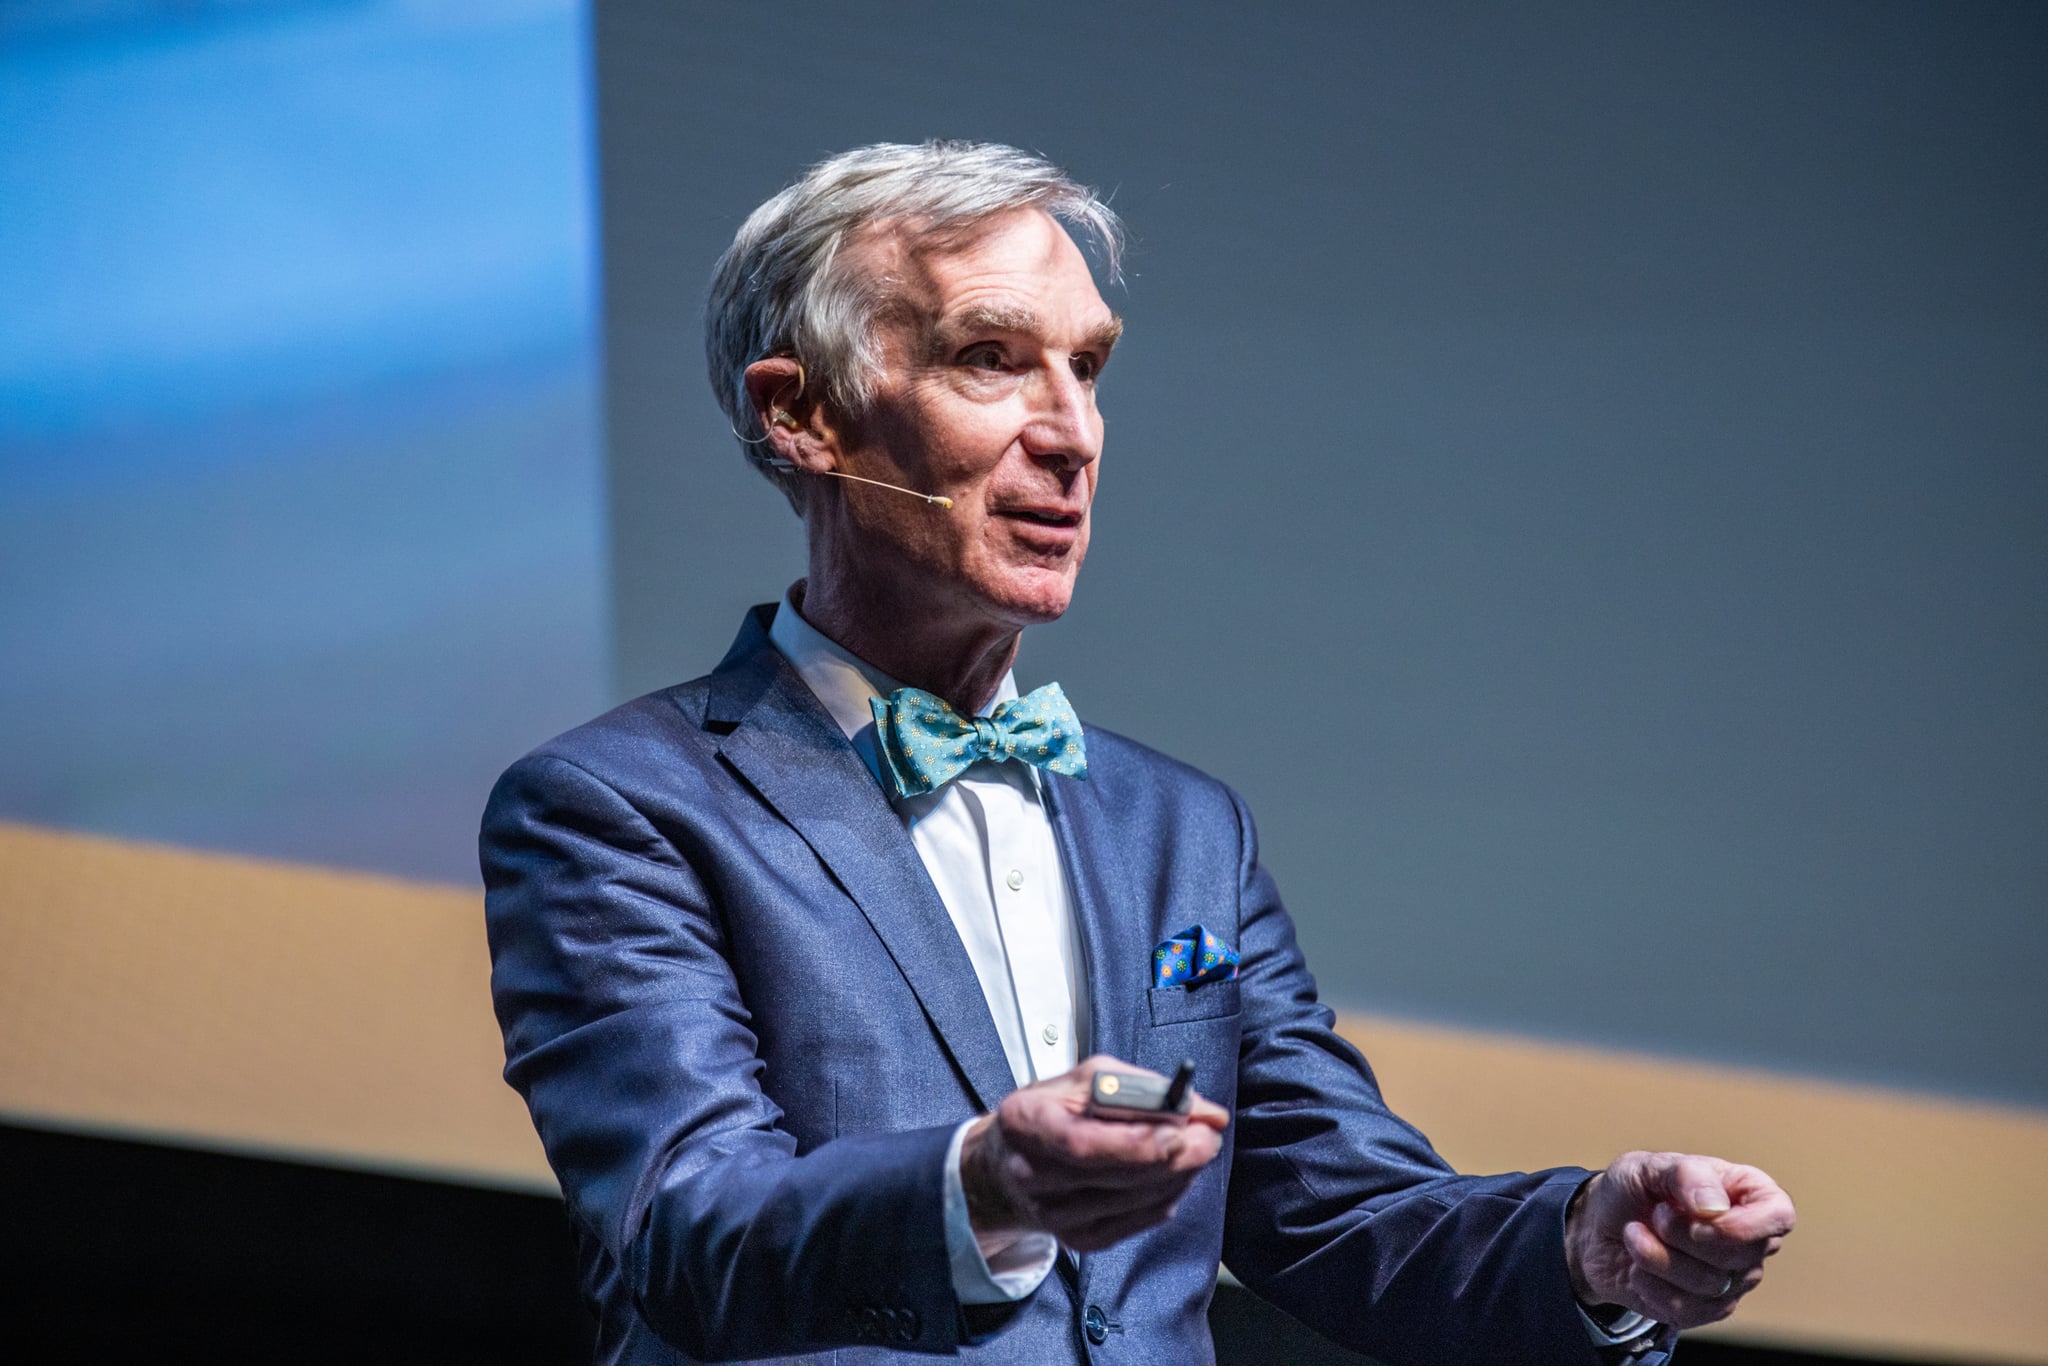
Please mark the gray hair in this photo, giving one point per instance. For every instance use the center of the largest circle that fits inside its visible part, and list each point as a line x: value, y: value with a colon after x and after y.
x: 782, y: 288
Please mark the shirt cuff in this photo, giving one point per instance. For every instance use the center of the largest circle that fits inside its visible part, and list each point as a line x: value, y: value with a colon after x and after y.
x: 997, y: 1269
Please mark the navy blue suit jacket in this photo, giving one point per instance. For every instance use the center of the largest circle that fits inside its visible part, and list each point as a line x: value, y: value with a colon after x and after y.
x: 746, y: 1030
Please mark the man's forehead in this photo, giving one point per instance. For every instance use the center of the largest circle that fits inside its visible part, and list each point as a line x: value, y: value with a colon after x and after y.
x: 1016, y: 272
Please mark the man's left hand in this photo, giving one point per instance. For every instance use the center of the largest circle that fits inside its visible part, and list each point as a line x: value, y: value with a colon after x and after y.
x: 1678, y: 1238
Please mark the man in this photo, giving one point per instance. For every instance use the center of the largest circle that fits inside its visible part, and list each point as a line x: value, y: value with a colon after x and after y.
x: 797, y: 963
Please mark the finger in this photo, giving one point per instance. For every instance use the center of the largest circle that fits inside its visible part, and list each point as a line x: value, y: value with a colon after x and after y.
x: 1056, y: 1175
x: 1100, y: 1144
x: 1084, y: 1071
x: 1057, y: 1196
x: 1183, y: 1150
x: 1041, y: 1123
x: 1078, y: 1084
x: 1083, y: 1143
x: 1110, y: 1188
x: 1762, y: 1208
x: 1666, y: 1303
x: 1694, y: 1184
x: 1093, y: 1235
x: 1066, y: 1207
x: 1069, y: 1208
x: 1198, y: 1147
x: 1716, y: 1242
x: 1679, y: 1269
x: 1207, y: 1112
x: 1075, y: 1087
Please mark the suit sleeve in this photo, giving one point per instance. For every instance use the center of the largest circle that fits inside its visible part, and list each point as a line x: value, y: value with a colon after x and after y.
x: 1343, y: 1214
x: 626, y: 1034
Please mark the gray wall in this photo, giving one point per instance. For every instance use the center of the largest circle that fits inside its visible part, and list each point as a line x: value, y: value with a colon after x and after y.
x: 1602, y: 442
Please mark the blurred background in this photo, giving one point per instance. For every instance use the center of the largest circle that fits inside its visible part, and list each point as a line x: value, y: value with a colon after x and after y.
x: 1613, y: 432
x: 298, y: 397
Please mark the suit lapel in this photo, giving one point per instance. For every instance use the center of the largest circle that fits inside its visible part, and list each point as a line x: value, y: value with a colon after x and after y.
x: 1114, y: 975
x: 781, y: 740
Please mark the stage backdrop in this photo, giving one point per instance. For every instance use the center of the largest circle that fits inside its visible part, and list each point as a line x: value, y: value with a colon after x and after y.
x: 1608, y: 435
x: 301, y: 539
x: 1604, y: 441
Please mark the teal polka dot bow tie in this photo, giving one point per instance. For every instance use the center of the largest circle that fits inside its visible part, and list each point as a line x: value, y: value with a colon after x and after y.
x: 1192, y: 957
x: 925, y: 744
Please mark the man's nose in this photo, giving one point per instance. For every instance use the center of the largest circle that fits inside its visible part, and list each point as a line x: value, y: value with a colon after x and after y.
x: 1063, y: 423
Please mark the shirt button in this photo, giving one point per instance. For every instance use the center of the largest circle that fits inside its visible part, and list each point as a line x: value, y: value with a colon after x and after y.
x: 1051, y: 1033
x: 1015, y: 879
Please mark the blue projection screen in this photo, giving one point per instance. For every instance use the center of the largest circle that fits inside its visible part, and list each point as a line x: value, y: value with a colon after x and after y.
x: 301, y: 539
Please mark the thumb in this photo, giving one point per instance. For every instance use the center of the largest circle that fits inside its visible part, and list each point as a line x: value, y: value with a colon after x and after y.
x: 1695, y: 1185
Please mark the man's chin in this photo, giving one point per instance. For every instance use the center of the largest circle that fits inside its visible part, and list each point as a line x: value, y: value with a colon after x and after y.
x: 1034, y: 599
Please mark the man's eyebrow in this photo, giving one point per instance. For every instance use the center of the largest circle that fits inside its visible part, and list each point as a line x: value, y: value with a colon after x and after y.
x: 1106, y: 336
x: 1001, y: 318
x: 993, y: 318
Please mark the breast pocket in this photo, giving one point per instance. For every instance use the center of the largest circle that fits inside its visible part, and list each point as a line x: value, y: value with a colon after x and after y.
x: 1201, y: 1023
x: 1184, y: 1005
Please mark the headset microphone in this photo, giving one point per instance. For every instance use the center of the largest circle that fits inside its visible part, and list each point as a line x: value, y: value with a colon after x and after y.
x: 783, y: 418
x: 936, y: 500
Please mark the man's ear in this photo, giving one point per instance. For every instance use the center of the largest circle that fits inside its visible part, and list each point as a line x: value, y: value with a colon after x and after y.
x: 790, y: 414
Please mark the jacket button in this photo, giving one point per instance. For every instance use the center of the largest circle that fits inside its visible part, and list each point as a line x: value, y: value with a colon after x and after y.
x: 1097, y: 1324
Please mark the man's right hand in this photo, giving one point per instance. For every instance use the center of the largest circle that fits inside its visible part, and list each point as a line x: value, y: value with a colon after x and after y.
x: 1041, y: 1163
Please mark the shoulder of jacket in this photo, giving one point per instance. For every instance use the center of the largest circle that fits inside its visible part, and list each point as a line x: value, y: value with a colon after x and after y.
x: 656, y: 727
x: 1121, y: 758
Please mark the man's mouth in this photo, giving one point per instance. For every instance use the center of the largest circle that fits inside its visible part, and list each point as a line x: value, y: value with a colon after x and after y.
x: 1043, y: 516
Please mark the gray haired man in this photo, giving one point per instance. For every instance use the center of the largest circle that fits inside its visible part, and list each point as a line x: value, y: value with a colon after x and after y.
x: 822, y: 974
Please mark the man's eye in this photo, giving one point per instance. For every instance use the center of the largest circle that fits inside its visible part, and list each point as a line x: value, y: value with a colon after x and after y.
x: 984, y: 358
x: 1086, y: 368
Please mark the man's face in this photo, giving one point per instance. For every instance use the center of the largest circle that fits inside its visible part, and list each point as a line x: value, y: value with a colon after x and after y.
x: 990, y: 350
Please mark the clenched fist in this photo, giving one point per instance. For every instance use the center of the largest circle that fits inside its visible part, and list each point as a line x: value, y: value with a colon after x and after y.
x: 1675, y: 1237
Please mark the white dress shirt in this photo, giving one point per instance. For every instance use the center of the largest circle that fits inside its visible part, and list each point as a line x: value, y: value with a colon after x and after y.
x: 987, y: 843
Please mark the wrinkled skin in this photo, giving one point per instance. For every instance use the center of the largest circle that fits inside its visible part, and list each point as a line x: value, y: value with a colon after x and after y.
x: 1677, y: 1237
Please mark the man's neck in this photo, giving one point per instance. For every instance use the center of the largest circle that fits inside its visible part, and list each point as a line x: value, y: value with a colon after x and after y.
x: 963, y: 663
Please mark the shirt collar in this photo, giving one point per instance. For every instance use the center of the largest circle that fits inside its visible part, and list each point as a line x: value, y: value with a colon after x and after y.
x: 842, y: 680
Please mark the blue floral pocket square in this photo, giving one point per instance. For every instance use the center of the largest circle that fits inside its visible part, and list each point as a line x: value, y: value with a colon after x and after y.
x: 1192, y: 957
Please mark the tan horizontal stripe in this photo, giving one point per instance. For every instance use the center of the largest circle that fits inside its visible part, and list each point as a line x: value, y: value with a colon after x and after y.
x: 1923, y: 1222
x: 259, y: 1006
x: 332, y: 1016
